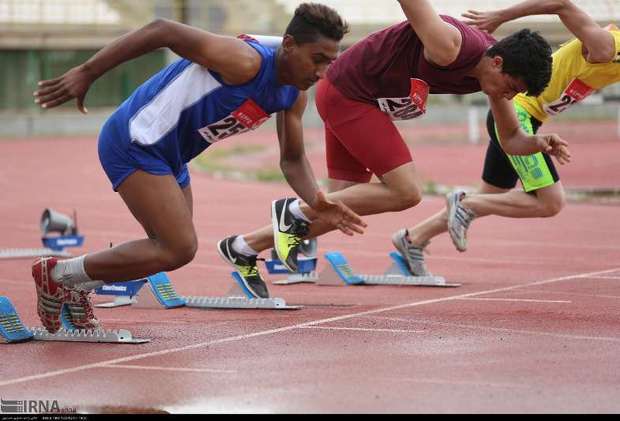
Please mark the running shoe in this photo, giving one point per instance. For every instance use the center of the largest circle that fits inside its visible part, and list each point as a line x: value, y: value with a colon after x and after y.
x: 459, y: 219
x: 288, y: 232
x: 245, y: 266
x: 413, y: 255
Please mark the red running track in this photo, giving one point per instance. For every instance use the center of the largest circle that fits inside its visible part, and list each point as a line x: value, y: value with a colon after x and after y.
x: 534, y: 328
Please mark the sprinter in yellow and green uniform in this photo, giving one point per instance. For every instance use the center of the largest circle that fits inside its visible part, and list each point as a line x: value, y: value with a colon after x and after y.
x: 580, y: 67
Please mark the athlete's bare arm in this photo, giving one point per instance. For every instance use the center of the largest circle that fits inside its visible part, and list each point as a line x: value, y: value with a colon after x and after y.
x: 232, y: 58
x: 515, y: 141
x: 598, y: 42
x: 299, y: 174
x: 442, y: 41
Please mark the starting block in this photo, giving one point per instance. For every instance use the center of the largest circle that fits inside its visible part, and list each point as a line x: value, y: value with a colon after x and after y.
x: 339, y: 271
x: 53, y: 245
x: 12, y: 330
x: 306, y: 271
x: 31, y: 253
x: 152, y: 291
x: 157, y: 291
x: 11, y: 327
x: 306, y: 265
x: 239, y: 298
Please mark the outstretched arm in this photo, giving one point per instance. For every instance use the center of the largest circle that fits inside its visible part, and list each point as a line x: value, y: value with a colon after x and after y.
x: 515, y: 141
x: 299, y: 174
x: 598, y: 42
x: 232, y: 58
x: 442, y: 41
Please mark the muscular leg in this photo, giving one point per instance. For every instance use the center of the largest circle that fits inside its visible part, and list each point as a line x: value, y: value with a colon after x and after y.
x: 399, y: 189
x: 545, y: 202
x: 165, y: 212
x: 491, y: 200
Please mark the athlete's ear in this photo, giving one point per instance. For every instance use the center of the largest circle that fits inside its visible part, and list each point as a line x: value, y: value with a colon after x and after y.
x: 498, y: 61
x: 288, y: 43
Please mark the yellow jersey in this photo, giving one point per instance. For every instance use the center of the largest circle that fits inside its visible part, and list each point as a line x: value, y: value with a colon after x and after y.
x: 572, y: 79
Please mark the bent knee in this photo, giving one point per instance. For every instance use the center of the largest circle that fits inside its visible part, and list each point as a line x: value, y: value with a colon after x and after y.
x: 407, y: 198
x: 180, y: 254
x: 553, y: 207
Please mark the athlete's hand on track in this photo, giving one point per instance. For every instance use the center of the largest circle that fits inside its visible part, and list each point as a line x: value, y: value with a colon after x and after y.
x: 485, y: 21
x: 338, y: 215
x: 73, y: 84
x: 553, y: 144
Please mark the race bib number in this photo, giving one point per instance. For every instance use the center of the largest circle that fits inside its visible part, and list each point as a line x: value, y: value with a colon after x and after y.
x: 409, y: 107
x: 247, y: 117
x: 575, y: 92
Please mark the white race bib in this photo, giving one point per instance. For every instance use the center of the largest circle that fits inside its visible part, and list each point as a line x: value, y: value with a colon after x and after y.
x: 409, y: 107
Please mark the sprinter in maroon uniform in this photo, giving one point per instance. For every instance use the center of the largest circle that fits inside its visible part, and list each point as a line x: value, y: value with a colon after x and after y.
x: 387, y: 76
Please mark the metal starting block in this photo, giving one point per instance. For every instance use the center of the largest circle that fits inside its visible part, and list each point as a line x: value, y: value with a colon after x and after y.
x: 239, y: 303
x: 157, y: 291
x: 299, y: 278
x: 120, y: 336
x: 239, y: 298
x: 31, y: 253
x: 305, y: 271
x: 306, y: 265
x: 339, y: 271
x: 12, y: 330
x: 152, y: 291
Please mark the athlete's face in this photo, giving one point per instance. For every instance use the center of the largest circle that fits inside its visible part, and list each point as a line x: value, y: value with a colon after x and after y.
x: 497, y: 84
x: 307, y: 63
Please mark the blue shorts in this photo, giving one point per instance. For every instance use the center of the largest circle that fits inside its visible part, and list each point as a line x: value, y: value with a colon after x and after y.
x: 120, y: 158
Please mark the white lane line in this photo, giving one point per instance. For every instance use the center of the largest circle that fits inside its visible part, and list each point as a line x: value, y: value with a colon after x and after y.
x: 142, y: 367
x: 526, y: 300
x: 462, y: 382
x: 606, y: 277
x: 362, y: 329
x: 287, y: 328
x: 577, y: 294
x: 502, y: 329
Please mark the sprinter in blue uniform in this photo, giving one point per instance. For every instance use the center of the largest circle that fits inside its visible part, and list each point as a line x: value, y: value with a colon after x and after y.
x: 222, y: 86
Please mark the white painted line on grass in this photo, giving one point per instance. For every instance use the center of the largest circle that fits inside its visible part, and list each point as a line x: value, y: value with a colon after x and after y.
x: 287, y: 329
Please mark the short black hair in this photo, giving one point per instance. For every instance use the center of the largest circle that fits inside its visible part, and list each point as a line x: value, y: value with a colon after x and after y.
x: 312, y: 20
x: 526, y: 56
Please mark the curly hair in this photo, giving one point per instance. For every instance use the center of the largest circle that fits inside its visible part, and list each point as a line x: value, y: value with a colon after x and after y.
x: 312, y: 20
x: 526, y: 56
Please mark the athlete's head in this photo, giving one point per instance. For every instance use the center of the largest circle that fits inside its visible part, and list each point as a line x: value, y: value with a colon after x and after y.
x: 310, y: 44
x: 520, y: 62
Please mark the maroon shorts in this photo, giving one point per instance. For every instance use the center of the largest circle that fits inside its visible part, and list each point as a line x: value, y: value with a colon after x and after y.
x: 360, y: 140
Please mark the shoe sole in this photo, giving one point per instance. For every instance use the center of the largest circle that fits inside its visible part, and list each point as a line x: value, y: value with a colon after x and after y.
x: 245, y: 283
x: 275, y: 225
x: 451, y: 216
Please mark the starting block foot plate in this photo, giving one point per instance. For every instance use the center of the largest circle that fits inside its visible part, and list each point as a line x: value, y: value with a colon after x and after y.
x: 31, y: 253
x: 120, y: 336
x: 298, y: 278
x: 239, y: 303
x: 339, y: 271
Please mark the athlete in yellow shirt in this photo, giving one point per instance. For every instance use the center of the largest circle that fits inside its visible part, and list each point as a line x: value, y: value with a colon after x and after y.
x: 580, y: 67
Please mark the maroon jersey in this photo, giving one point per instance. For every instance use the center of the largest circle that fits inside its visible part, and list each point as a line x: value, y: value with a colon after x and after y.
x: 378, y: 69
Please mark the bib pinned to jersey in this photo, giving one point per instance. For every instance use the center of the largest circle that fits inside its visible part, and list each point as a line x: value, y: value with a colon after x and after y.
x: 575, y: 92
x: 247, y: 117
x: 409, y: 107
